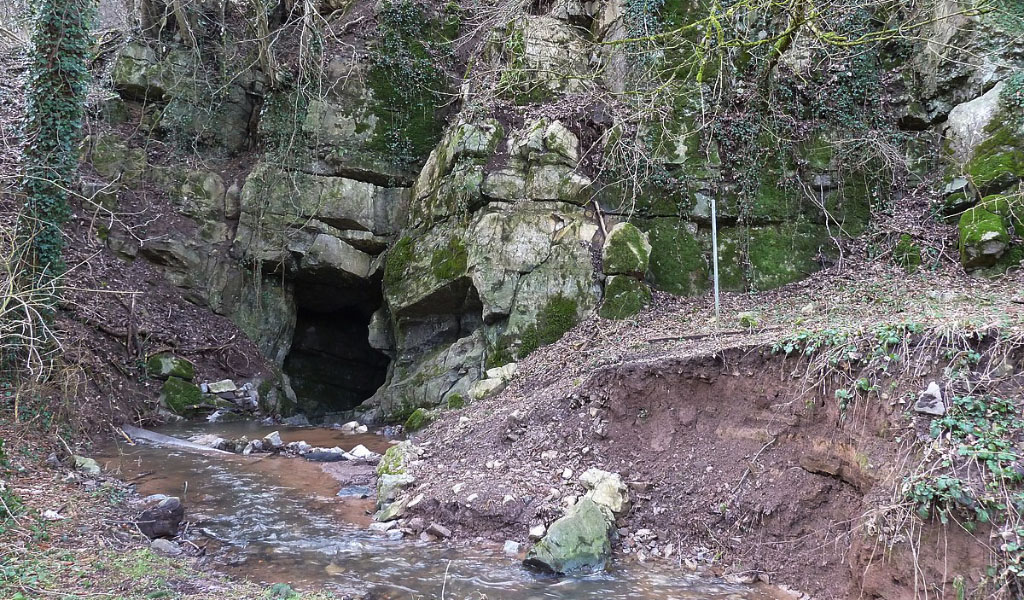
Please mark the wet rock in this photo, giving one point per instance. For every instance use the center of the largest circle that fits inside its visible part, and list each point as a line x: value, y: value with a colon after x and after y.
x: 396, y: 534
x: 438, y: 530
x: 319, y: 455
x: 350, y: 427
x: 86, y: 465
x: 388, y: 487
x: 576, y: 543
x: 272, y: 441
x: 298, y: 448
x: 296, y: 421
x: 382, y: 527
x: 511, y: 548
x: 165, y: 547
x: 253, y: 447
x: 417, y: 524
x: 626, y: 251
x: 363, y: 452
x: 163, y: 519
x: 930, y: 401
x: 395, y: 510
x: 213, y: 441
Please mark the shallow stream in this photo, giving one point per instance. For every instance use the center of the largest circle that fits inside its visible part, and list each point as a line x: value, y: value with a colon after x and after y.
x: 281, y: 519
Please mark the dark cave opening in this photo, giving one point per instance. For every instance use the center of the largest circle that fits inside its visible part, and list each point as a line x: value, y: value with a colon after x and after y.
x: 331, y: 365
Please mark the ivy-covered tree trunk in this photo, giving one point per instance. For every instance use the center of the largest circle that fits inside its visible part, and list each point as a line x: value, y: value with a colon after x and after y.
x: 53, y: 123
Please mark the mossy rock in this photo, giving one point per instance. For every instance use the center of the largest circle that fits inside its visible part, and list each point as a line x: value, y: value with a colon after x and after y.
x: 558, y: 316
x: 679, y: 263
x: 983, y: 238
x: 998, y: 162
x: 907, y: 253
x: 626, y: 251
x: 181, y: 397
x: 781, y: 254
x: 419, y: 419
x: 114, y: 160
x: 395, y: 460
x: 624, y: 297
x: 166, y: 365
x: 1011, y: 208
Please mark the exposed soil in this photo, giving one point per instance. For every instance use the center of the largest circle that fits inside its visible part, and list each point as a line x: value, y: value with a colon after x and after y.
x: 738, y: 458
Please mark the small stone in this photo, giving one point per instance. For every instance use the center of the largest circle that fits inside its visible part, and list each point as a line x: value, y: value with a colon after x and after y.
x: 537, y: 532
x: 163, y: 519
x: 384, y: 527
x: 511, y: 548
x: 165, y: 547
x: 471, y: 498
x: 930, y: 401
x: 438, y: 530
x: 52, y: 515
x: 298, y: 447
x: 808, y: 309
x: 549, y: 455
x: 417, y: 524
x: 221, y: 387
x: 396, y: 534
x: 350, y: 427
x: 426, y: 537
x: 567, y: 473
x: 458, y: 487
x: 362, y: 429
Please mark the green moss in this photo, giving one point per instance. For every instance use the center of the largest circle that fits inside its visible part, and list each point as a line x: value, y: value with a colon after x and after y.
x: 455, y: 401
x: 624, y: 297
x: 180, y: 396
x: 394, y: 460
x: 1011, y: 208
x: 817, y: 152
x: 732, y: 273
x: 499, y: 354
x: 166, y: 365
x: 983, y: 237
x: 408, y: 82
x: 850, y: 205
x: 678, y: 264
x: 907, y: 254
x: 626, y: 252
x: 450, y: 261
x: 397, y: 263
x: 558, y: 316
x: 998, y: 162
x: 782, y: 254
x: 419, y: 419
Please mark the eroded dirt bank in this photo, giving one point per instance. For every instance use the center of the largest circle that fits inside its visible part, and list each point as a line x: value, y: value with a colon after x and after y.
x: 740, y: 461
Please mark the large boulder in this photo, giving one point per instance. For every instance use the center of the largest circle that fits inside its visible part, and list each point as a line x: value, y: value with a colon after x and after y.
x: 577, y: 543
x: 983, y: 238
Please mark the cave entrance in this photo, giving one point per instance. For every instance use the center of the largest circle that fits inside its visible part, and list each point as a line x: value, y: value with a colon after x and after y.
x: 331, y: 365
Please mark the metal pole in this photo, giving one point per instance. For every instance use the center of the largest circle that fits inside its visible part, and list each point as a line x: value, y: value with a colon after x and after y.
x: 714, y: 251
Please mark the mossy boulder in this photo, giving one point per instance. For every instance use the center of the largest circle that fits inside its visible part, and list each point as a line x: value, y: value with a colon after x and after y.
x: 983, y: 238
x: 626, y: 251
x: 624, y: 297
x: 180, y: 396
x: 419, y: 419
x: 907, y: 253
x: 558, y: 316
x: 577, y: 543
x: 164, y: 365
x: 396, y: 460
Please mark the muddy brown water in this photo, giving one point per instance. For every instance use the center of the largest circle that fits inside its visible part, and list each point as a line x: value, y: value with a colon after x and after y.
x: 280, y: 519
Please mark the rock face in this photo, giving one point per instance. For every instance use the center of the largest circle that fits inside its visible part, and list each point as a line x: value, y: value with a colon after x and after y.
x: 392, y: 240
